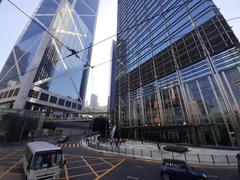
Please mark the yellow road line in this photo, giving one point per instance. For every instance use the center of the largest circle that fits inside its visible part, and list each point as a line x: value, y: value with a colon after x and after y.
x: 13, y: 166
x: 95, y: 164
x: 4, y: 157
x: 75, y: 161
x: 66, y: 171
x: 109, y: 170
x: 107, y: 162
x: 90, y: 167
x: 84, y: 174
x: 95, y: 157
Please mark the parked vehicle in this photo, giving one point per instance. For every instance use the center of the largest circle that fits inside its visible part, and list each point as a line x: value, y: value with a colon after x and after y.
x: 176, y: 169
x: 63, y: 139
x: 42, y: 160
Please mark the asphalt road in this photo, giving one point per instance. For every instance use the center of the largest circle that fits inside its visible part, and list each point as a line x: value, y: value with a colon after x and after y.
x: 86, y: 164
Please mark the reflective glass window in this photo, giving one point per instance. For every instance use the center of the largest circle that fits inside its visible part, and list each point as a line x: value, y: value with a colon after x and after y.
x: 47, y: 7
x: 44, y: 97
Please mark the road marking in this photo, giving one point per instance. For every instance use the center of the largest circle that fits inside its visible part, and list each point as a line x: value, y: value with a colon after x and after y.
x: 107, y: 162
x: 90, y: 167
x: 4, y: 157
x: 75, y: 161
x: 131, y: 177
x: 65, y: 145
x: 13, y: 166
x: 139, y: 166
x: 212, y: 176
x: 84, y: 174
x: 109, y: 170
x: 74, y: 145
x: 66, y: 171
x: 93, y: 157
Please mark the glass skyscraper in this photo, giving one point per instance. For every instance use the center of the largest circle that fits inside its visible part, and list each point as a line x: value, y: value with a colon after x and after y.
x: 37, y: 75
x: 178, y: 73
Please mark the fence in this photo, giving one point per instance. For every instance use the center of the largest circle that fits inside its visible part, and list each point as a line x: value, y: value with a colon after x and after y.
x: 216, y: 160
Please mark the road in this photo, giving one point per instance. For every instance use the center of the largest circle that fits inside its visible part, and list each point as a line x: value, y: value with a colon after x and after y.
x: 86, y: 164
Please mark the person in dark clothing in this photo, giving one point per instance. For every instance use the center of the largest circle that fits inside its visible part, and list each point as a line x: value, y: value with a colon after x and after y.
x: 238, y: 161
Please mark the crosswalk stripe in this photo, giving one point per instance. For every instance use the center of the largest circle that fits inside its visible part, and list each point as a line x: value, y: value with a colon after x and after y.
x: 65, y: 145
x: 69, y: 145
x: 74, y: 145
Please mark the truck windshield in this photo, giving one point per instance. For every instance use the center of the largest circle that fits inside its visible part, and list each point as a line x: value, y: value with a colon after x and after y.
x: 46, y: 159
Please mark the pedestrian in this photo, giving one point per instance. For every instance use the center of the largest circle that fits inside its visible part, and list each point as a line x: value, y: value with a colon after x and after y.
x: 238, y: 161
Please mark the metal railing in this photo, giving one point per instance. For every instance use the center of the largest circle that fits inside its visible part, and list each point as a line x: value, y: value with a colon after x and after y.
x: 198, y: 159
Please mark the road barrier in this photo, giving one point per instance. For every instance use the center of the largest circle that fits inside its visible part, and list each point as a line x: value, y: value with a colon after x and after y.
x: 198, y: 159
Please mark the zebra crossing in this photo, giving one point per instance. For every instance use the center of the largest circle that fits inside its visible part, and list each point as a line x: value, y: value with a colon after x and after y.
x: 69, y: 145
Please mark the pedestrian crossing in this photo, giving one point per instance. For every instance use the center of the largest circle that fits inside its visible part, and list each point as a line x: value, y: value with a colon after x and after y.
x: 69, y: 145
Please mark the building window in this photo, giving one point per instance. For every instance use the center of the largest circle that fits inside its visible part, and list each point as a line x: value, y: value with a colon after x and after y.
x: 16, y: 92
x: 1, y: 95
x: 5, y: 94
x: 61, y: 102
x: 74, y: 105
x: 79, y: 107
x: 44, y: 97
x: 68, y: 104
x: 53, y: 99
x: 10, y: 93
x: 33, y: 94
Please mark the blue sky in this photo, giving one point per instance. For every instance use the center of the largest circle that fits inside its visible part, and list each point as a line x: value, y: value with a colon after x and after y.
x: 13, y: 22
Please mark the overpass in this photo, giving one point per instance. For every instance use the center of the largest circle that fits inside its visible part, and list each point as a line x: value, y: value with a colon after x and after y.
x: 73, y: 120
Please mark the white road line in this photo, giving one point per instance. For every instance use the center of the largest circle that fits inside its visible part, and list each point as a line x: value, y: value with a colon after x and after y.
x: 139, y: 166
x: 212, y: 176
x: 131, y: 177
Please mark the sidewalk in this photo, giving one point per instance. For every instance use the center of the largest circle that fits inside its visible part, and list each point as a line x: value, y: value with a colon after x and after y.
x: 147, y: 150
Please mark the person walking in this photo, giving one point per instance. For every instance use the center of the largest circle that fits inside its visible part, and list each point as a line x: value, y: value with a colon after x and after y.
x: 238, y: 161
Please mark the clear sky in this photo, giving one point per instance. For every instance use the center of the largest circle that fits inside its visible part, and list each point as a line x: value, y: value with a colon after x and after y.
x: 13, y: 22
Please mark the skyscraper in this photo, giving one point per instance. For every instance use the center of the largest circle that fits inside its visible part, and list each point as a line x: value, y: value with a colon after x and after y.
x: 37, y: 75
x: 94, y: 101
x: 178, y: 73
x: 112, y: 99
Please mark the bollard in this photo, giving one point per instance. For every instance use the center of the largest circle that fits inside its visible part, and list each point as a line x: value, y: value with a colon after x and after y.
x: 213, y: 159
x: 118, y: 149
x: 198, y: 158
x: 172, y: 155
x: 227, y: 159
x: 141, y: 153
x: 151, y: 153
x: 133, y: 152
x: 161, y: 154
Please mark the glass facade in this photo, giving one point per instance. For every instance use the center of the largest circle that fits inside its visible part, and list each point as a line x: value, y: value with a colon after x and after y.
x: 41, y: 56
x: 178, y: 73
